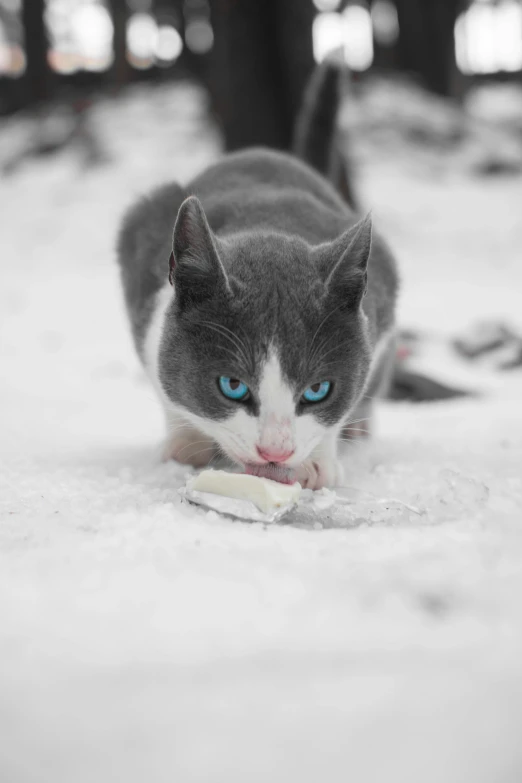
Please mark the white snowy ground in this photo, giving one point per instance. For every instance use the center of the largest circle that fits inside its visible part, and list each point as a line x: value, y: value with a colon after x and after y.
x: 145, y: 641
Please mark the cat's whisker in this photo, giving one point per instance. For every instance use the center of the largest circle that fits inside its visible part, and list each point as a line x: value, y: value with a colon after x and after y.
x: 323, y: 366
x: 233, y: 353
x: 325, y: 319
x: 223, y: 333
x: 335, y: 348
x: 322, y: 346
x: 219, y: 453
x: 353, y: 429
x: 200, y: 451
x: 249, y: 347
x: 204, y: 439
x: 308, y: 469
x: 179, y: 427
x: 353, y: 443
x: 181, y: 431
x: 357, y: 421
x: 236, y: 438
x: 196, y: 443
x: 233, y: 338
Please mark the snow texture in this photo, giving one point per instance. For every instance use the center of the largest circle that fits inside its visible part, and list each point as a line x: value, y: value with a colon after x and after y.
x: 146, y: 640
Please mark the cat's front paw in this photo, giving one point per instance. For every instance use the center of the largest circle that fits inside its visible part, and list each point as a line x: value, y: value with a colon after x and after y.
x: 189, y: 447
x: 320, y: 472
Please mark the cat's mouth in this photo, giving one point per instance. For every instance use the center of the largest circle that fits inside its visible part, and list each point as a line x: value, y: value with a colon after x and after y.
x: 271, y: 470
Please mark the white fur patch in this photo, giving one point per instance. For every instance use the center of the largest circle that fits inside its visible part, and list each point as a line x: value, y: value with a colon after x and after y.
x: 276, y: 408
x: 276, y: 399
x: 309, y: 432
x: 153, y: 337
x: 175, y: 415
x: 277, y: 426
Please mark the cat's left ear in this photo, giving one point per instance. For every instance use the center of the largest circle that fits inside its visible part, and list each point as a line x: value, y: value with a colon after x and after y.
x: 195, y: 266
x: 344, y: 263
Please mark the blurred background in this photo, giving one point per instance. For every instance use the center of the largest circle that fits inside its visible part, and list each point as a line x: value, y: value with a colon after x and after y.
x: 102, y: 99
x: 253, y: 58
x: 140, y: 640
x: 47, y: 46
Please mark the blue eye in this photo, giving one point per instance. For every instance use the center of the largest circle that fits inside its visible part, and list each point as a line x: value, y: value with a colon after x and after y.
x: 233, y: 388
x: 316, y: 392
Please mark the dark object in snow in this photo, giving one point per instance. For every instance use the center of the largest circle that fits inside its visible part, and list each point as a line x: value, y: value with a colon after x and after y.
x: 498, y: 167
x: 486, y: 337
x: 515, y: 360
x: 53, y: 129
x: 414, y: 387
x: 495, y: 342
x: 407, y: 383
x: 38, y: 78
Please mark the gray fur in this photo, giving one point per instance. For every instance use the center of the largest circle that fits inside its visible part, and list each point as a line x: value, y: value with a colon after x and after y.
x: 316, y: 138
x: 267, y: 254
x: 143, y: 248
x: 316, y: 126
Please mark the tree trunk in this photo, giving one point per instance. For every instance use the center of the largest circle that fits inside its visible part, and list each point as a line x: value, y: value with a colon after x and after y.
x: 426, y: 46
x: 37, y: 74
x: 120, y: 66
x: 262, y: 59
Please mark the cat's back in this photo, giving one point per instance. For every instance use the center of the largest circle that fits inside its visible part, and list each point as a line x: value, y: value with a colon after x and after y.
x: 260, y: 189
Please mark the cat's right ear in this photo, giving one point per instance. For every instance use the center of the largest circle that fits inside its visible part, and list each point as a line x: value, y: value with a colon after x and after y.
x: 195, y: 268
x: 344, y: 262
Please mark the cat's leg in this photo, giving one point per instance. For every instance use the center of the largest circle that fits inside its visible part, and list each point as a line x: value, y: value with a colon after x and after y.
x: 185, y: 444
x: 322, y: 468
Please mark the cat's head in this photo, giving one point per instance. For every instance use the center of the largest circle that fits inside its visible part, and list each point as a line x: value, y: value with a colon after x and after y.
x: 265, y: 346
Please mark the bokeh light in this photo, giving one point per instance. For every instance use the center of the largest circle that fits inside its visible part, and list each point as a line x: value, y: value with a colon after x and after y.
x: 12, y: 57
x: 385, y: 22
x: 169, y: 44
x: 327, y: 34
x: 349, y: 31
x: 358, y: 37
x: 199, y: 35
x: 81, y: 35
x: 488, y: 34
x: 142, y: 37
x: 488, y: 38
x: 93, y: 31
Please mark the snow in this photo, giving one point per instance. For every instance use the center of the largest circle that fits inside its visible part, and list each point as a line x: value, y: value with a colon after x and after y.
x: 146, y: 640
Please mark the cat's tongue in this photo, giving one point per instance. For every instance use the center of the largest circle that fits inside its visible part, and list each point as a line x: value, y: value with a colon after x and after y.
x: 271, y: 471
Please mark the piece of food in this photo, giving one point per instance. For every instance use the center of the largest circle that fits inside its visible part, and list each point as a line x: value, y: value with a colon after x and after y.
x: 266, y: 494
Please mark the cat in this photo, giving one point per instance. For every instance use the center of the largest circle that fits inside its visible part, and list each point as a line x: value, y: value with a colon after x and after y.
x: 262, y: 307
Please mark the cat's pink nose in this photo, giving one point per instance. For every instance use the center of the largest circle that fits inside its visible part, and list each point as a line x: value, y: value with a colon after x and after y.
x: 274, y: 455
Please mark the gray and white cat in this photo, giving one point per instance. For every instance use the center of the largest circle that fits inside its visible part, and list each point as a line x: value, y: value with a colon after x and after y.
x: 272, y: 328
